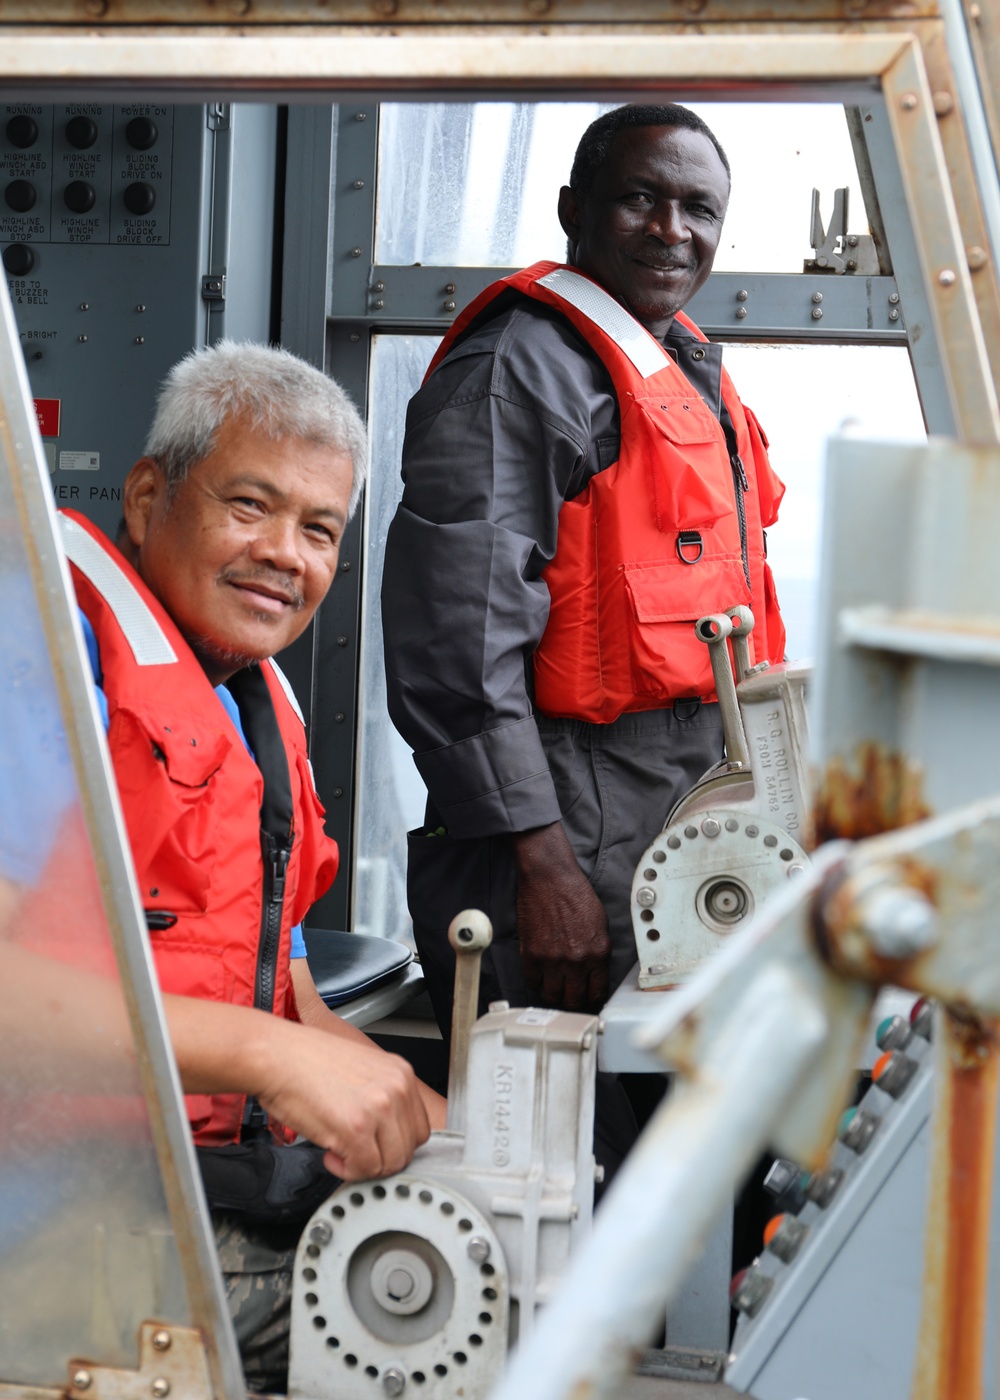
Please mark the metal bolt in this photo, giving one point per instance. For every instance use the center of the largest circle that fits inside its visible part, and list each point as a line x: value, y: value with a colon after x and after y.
x: 342, y: 641
x: 817, y: 298
x: 141, y: 306
x: 140, y: 340
x: 160, y: 1388
x: 378, y: 286
x: 345, y: 567
x: 898, y: 921
x: 354, y: 337
x: 478, y: 1249
x: 710, y: 827
x: 449, y: 306
x: 340, y: 716
x: 83, y: 339
x: 82, y: 1380
x: 85, y: 306
x: 852, y: 264
x: 598, y: 1172
x: 946, y: 277
x: 741, y: 311
x: 975, y: 257
x: 943, y: 103
x: 378, y: 305
x: 893, y: 298
x: 893, y: 315
x: 360, y: 116
x: 321, y: 1233
x: 645, y: 897
x: 450, y: 288
x: 817, y: 313
x: 393, y: 1380
x: 908, y: 101
x: 742, y: 294
x: 852, y: 240
x: 338, y: 792
x: 355, y: 252
x: 359, y: 184
x: 162, y: 1340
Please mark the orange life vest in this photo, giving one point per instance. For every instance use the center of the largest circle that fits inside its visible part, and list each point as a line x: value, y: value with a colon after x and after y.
x: 655, y: 540
x: 191, y: 796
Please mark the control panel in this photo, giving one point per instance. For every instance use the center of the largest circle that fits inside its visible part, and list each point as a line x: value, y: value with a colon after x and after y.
x: 114, y: 219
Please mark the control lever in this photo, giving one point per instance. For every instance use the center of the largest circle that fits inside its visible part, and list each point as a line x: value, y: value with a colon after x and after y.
x: 714, y: 630
x: 470, y: 934
x: 742, y: 620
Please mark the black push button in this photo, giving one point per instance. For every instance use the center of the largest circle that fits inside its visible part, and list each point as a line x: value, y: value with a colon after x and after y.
x: 79, y: 196
x: 139, y: 198
x: 22, y: 132
x: 20, y: 196
x: 81, y: 132
x: 18, y: 259
x: 141, y: 133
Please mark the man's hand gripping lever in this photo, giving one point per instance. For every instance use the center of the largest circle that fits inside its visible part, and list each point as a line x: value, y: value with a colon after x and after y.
x: 470, y: 934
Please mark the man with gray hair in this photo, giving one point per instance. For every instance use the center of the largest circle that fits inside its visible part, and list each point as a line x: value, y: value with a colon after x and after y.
x: 232, y: 526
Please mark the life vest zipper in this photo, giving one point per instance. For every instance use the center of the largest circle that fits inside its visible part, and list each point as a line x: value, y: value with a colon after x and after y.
x: 275, y: 869
x: 740, y: 487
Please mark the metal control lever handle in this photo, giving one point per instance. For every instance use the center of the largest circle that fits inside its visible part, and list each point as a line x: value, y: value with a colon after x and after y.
x: 469, y: 933
x: 714, y: 630
x: 742, y: 620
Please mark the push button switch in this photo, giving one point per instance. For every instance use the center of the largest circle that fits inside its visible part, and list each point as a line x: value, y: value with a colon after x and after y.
x: 18, y: 259
x: 139, y: 198
x: 79, y: 196
x: 22, y: 132
x: 20, y: 196
x: 141, y: 133
x: 81, y: 132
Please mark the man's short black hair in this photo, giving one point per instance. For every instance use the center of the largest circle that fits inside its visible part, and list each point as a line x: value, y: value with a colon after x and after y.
x: 596, y: 141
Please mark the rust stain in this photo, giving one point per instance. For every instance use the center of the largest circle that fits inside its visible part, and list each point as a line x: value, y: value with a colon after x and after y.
x: 846, y: 946
x: 883, y: 791
x: 956, y: 1271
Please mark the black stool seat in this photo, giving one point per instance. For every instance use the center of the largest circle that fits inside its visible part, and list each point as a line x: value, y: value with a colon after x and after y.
x: 346, y: 965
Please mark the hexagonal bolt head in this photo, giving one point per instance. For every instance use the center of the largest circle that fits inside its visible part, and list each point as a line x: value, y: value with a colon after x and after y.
x: 321, y: 1233
x: 899, y: 922
x: 393, y: 1380
x: 479, y: 1249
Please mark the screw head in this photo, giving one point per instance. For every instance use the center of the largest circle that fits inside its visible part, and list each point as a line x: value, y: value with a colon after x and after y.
x: 393, y: 1380
x: 378, y: 286
x: 360, y: 116
x: 741, y: 311
x: 852, y: 240
x: 85, y: 306
x: 645, y: 897
x: 140, y: 340
x: 82, y: 1380
x: 82, y: 339
x: 354, y: 337
x: 450, y: 289
x: 976, y: 257
x: 160, y: 1388
x: 478, y: 1249
x: 162, y: 1340
x: 817, y: 297
x: 321, y: 1233
x: 355, y: 252
x: 898, y: 921
x: 742, y: 294
x: 141, y: 306
x: 946, y: 277
x: 378, y: 305
x: 943, y: 103
x: 359, y: 184
x: 817, y: 313
x: 893, y: 315
x: 893, y: 298
x: 908, y: 101
x: 710, y: 827
x: 449, y: 306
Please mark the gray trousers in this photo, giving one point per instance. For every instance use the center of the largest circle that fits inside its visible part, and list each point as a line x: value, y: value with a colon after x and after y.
x: 616, y: 784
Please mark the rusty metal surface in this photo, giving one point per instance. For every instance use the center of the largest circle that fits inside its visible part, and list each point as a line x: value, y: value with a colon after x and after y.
x: 954, y: 1306
x: 29, y: 1392
x: 941, y: 246
x: 880, y: 791
x: 248, y: 12
x: 982, y: 268
x: 172, y: 1362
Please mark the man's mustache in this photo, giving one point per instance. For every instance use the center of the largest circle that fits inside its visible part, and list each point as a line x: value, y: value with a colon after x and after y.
x: 268, y: 580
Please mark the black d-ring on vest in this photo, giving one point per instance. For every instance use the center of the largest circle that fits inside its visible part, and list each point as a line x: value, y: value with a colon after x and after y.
x: 688, y: 539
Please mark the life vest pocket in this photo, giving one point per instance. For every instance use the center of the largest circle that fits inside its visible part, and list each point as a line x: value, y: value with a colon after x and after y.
x: 689, y: 480
x: 665, y: 600
x: 165, y: 778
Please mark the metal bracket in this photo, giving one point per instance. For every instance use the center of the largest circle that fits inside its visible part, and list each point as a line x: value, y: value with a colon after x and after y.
x: 837, y: 250
x: 172, y: 1362
x: 213, y: 286
x: 217, y: 116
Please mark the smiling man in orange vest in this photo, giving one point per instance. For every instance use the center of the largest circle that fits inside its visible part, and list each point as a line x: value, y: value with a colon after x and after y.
x: 581, y: 483
x: 232, y: 529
